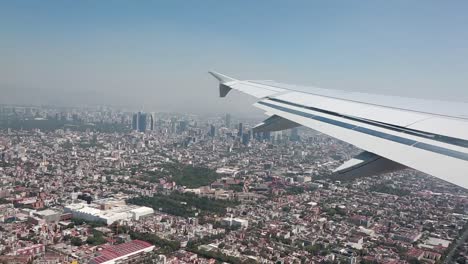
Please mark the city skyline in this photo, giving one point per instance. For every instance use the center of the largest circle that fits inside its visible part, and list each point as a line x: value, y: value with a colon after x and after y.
x: 343, y: 140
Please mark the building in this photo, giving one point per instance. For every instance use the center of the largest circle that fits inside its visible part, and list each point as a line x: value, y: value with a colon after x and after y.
x: 245, y: 139
x: 361, y: 220
x: 151, y: 122
x: 236, y: 222
x: 50, y: 216
x: 355, y: 242
x: 141, y: 122
x: 31, y: 250
x: 407, y: 235
x: 294, y: 134
x: 123, y: 253
x: 227, y: 121
x: 108, y: 212
x: 183, y: 126
x: 433, y: 242
x: 23, y: 259
x: 135, y: 122
x: 212, y: 131
x: 240, y: 131
x: 303, y: 179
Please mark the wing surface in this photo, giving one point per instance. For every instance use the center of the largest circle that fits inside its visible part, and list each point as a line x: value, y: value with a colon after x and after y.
x: 429, y: 136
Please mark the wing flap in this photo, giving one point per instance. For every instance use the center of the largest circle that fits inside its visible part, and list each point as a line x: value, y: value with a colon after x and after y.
x: 367, y: 164
x: 274, y: 123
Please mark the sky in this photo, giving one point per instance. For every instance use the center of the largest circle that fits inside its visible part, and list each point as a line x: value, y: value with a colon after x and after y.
x: 154, y: 55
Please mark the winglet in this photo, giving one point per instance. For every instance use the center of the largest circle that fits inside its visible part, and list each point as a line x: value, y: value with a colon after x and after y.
x: 223, y: 89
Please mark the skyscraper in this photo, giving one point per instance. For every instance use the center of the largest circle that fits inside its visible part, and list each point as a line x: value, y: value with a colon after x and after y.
x: 227, y: 121
x: 294, y: 135
x: 245, y: 139
x: 141, y: 122
x: 212, y: 131
x: 151, y: 122
x: 240, y: 133
x: 135, y: 122
x: 183, y: 125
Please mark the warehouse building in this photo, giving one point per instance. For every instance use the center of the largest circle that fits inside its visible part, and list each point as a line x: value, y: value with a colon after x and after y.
x: 108, y: 211
x: 123, y: 253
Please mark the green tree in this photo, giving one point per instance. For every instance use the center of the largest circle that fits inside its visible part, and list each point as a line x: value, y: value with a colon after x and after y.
x: 76, y: 241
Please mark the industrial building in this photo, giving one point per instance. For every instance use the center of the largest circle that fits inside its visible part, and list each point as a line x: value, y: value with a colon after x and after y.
x: 108, y: 211
x: 123, y: 253
x: 48, y: 215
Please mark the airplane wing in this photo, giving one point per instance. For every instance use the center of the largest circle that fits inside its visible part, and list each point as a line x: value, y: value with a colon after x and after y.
x: 395, y: 132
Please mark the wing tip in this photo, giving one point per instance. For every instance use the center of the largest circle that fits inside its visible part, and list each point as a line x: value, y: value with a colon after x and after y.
x: 223, y: 88
x: 221, y: 77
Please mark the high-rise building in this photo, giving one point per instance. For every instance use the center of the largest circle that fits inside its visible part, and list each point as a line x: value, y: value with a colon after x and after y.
x: 173, y: 125
x: 227, y: 121
x: 277, y: 136
x: 135, y: 122
x: 212, y: 131
x: 141, y: 122
x: 245, y: 139
x: 294, y: 134
x: 240, y: 131
x: 151, y: 122
x: 183, y: 126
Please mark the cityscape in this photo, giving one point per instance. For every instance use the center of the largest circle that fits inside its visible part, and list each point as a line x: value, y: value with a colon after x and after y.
x: 103, y: 185
x: 233, y: 132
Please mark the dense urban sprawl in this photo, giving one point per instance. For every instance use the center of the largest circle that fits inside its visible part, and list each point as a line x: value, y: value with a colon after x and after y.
x: 86, y: 185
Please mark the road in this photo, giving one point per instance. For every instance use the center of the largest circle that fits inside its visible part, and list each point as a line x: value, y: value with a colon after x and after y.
x: 460, y: 240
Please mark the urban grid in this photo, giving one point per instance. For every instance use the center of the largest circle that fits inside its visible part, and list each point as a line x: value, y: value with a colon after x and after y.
x: 103, y: 185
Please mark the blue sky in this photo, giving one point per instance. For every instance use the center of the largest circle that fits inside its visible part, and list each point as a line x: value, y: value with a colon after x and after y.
x: 155, y: 54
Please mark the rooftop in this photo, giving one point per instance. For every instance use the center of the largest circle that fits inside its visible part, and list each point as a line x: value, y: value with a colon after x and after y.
x: 118, y: 251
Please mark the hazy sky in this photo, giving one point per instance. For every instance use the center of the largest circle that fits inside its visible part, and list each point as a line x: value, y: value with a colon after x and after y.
x: 155, y: 54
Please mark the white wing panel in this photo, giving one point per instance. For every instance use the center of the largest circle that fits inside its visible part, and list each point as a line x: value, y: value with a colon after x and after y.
x: 256, y: 90
x: 434, y: 107
x: 322, y: 102
x: 453, y: 170
x: 365, y: 111
x: 443, y: 126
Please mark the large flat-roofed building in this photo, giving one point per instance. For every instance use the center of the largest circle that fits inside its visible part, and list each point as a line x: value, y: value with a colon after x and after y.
x: 31, y: 250
x: 108, y: 211
x: 236, y: 222
x: 23, y: 259
x: 122, y: 253
x: 48, y: 215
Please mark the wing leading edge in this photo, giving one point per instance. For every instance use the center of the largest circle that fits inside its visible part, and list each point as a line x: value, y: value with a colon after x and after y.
x: 420, y: 136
